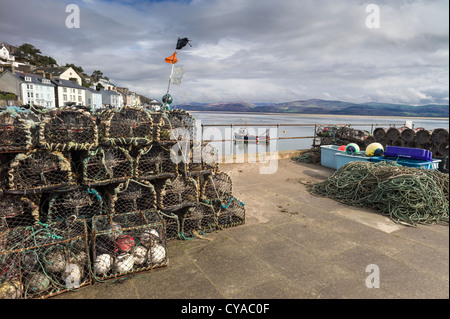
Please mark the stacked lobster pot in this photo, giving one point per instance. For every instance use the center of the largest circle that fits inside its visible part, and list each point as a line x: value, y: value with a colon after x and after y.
x: 87, y: 197
x: 435, y: 141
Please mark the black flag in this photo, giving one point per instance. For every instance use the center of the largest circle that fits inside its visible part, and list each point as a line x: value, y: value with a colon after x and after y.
x: 181, y: 43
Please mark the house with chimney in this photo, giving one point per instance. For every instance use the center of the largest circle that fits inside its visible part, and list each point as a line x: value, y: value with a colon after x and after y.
x: 59, y: 72
x: 29, y: 88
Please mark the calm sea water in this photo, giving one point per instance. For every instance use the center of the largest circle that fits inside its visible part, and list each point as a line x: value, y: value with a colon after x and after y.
x: 269, y: 121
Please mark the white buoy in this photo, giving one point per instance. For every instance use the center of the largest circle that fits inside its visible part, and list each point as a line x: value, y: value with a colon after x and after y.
x: 139, y: 255
x: 37, y: 282
x: 72, y: 275
x: 149, y: 236
x: 156, y: 254
x: 124, y: 263
x: 102, y: 264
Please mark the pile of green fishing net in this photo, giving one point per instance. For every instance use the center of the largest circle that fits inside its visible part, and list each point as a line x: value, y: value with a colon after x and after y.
x: 408, y: 195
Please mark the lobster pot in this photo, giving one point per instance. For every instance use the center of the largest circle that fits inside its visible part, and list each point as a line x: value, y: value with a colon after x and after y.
x: 439, y: 135
x: 131, y: 196
x: 198, y: 220
x: 172, y: 224
x: 17, y: 211
x: 393, y: 134
x: 408, y: 135
x: 231, y: 214
x: 443, y: 149
x: 379, y: 133
x: 127, y: 243
x: 204, y: 157
x: 157, y: 122
x: 17, y: 131
x: 399, y: 142
x: 39, y: 170
x: 155, y: 160
x: 107, y: 164
x: 68, y: 129
x: 82, y: 202
x: 217, y: 187
x: 126, y: 126
x: 177, y: 125
x: 423, y: 136
x: 44, y: 260
x: 369, y: 140
x: 176, y: 193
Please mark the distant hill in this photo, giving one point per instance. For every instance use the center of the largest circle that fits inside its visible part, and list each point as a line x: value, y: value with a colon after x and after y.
x: 317, y: 106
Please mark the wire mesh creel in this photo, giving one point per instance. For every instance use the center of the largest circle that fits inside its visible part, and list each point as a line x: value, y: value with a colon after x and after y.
x: 131, y: 196
x: 18, y: 210
x: 107, y: 165
x: 155, y: 161
x: 127, y: 243
x: 176, y: 193
x: 177, y: 125
x: 68, y: 128
x: 39, y: 170
x: 44, y: 260
x: 126, y: 126
x: 17, y: 131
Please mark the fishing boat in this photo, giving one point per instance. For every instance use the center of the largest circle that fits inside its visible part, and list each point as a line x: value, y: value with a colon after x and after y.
x: 243, y: 135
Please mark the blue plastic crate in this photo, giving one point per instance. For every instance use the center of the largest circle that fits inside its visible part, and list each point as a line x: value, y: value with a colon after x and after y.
x: 408, y: 152
x: 409, y: 162
x: 343, y: 158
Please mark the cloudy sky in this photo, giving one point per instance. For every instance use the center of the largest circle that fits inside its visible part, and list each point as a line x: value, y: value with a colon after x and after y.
x: 249, y: 50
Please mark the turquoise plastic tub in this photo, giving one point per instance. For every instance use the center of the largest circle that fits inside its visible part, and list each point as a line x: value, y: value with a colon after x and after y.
x: 409, y: 162
x: 343, y: 158
x: 327, y: 155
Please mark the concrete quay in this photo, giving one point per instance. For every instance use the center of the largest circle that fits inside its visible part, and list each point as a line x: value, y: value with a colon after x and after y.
x: 294, y: 246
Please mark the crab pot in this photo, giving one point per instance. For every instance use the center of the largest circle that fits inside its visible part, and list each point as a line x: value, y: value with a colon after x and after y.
x: 127, y: 243
x: 439, y: 135
x: 17, y: 211
x: 155, y: 160
x: 176, y: 193
x: 44, y: 260
x: 131, y: 196
x: 106, y: 165
x: 200, y: 219
x: 379, y: 133
x: 172, y: 224
x: 16, y: 131
x: 42, y: 170
x: 157, y: 122
x: 231, y: 214
x: 82, y: 202
x: 408, y: 135
x: 217, y: 187
x: 369, y: 140
x: 393, y: 134
x: 177, y: 125
x: 126, y: 126
x: 423, y: 136
x: 67, y: 129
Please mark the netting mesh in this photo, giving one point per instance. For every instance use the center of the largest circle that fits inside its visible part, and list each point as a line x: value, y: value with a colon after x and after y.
x: 178, y: 192
x: 18, y: 210
x: 155, y: 160
x: 39, y: 170
x: 17, y: 130
x: 201, y: 219
x: 43, y: 260
x: 82, y: 202
x: 128, y: 243
x: 132, y: 196
x: 68, y: 129
x: 231, y: 214
x: 127, y: 125
x: 217, y: 187
x: 107, y: 164
x: 172, y: 224
x: 177, y: 125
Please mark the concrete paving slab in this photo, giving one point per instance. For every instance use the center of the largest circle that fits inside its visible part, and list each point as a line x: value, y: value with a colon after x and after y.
x: 294, y: 246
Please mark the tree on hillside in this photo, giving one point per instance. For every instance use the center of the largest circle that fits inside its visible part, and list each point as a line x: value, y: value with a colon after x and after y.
x: 97, y: 75
x: 29, y: 49
x: 77, y: 69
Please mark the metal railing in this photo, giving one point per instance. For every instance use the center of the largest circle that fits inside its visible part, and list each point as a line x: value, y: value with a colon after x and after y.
x: 277, y: 125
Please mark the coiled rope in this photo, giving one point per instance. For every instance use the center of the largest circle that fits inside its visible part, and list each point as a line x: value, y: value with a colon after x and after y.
x: 408, y: 195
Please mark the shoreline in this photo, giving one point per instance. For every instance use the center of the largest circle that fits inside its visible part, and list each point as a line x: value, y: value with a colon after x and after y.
x: 322, y: 115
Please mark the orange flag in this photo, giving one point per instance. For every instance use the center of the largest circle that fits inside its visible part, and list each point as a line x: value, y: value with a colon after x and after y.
x: 172, y: 59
